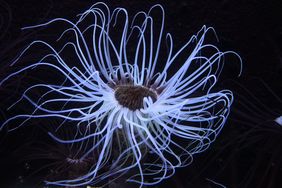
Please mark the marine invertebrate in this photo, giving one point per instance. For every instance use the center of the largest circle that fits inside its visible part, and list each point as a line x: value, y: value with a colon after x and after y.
x: 126, y: 100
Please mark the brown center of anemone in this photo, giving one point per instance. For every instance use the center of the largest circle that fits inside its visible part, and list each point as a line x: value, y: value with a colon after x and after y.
x: 131, y: 97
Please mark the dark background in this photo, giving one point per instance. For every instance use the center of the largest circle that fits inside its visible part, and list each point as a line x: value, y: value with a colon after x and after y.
x: 248, y: 152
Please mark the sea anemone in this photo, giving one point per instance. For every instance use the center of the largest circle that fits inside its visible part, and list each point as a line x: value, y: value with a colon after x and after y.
x: 140, y: 104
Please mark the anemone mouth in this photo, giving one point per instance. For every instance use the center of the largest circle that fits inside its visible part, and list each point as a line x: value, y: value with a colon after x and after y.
x: 131, y: 96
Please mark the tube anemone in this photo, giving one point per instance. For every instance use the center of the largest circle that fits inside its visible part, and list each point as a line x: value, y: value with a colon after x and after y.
x: 131, y: 102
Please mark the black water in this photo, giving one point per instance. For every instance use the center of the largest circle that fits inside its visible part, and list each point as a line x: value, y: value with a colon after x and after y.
x: 248, y: 152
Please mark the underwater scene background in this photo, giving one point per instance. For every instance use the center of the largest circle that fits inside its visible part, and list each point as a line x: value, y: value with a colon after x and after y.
x: 246, y: 154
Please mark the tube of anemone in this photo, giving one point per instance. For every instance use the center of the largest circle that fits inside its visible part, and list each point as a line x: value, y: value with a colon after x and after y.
x: 141, y: 104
